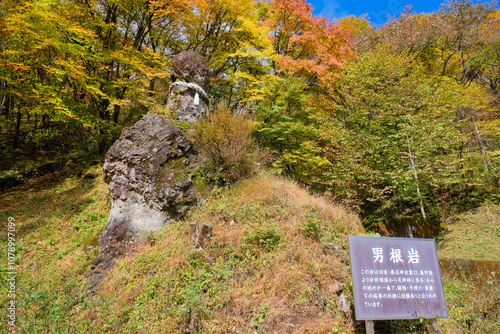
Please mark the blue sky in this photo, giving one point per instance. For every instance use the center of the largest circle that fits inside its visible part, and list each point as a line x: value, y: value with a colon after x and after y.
x: 377, y: 10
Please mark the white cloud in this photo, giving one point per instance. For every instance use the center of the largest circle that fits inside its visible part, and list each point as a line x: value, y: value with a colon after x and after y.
x: 329, y: 9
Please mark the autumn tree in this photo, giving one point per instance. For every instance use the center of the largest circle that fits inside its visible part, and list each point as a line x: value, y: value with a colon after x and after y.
x: 394, y: 141
x: 70, y: 63
x: 359, y: 30
x: 448, y: 42
x: 228, y: 34
x: 308, y: 46
x: 311, y: 56
x: 459, y: 41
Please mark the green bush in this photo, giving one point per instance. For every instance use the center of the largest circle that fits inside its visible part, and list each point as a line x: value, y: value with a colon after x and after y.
x: 43, y: 138
x: 312, y: 229
x: 265, y: 238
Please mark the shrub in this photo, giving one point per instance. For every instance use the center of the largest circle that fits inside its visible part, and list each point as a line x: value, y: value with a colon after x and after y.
x: 43, y: 138
x: 265, y: 238
x: 226, y: 140
x: 312, y: 229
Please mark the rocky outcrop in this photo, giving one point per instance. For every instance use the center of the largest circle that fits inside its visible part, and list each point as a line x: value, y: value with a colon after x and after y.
x: 152, y: 169
x: 188, y: 97
x: 152, y: 176
x: 189, y: 66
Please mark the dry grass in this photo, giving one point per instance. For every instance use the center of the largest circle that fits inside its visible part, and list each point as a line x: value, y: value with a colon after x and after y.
x: 235, y: 286
x: 226, y: 140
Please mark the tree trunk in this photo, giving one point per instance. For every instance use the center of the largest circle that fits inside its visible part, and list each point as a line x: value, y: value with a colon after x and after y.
x: 18, y: 128
x: 151, y: 87
x: 116, y: 113
x: 9, y: 114
x: 480, y: 142
x: 3, y: 102
x: 416, y: 179
x: 12, y: 113
x: 117, y: 108
x: 45, y: 121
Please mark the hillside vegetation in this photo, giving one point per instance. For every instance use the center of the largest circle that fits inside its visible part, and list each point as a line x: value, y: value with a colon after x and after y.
x: 473, y: 235
x: 399, y: 123
x: 277, y: 263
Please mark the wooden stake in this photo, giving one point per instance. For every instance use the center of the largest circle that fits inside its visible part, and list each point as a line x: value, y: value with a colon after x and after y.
x: 194, y: 233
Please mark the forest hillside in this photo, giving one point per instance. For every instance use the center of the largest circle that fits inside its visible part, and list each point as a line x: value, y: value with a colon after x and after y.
x: 316, y: 130
x: 278, y: 263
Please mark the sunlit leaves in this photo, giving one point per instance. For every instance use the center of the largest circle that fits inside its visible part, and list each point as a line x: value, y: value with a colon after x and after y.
x: 395, y: 121
x: 75, y: 58
x: 308, y: 46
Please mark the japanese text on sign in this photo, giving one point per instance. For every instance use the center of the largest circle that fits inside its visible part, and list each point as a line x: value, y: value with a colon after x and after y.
x: 396, y: 278
x: 395, y: 254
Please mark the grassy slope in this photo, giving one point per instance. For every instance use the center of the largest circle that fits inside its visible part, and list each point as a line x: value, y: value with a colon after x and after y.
x: 259, y: 273
x: 472, y: 283
x: 278, y: 268
x: 55, y: 218
x: 473, y: 235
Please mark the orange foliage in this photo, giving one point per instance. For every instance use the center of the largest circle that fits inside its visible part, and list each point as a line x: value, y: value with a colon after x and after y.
x: 307, y: 45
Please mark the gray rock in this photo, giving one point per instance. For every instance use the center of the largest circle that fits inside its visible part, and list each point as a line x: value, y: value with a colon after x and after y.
x: 152, y: 176
x: 188, y: 104
x: 182, y: 99
x: 189, y: 66
x: 344, y: 304
x: 152, y: 169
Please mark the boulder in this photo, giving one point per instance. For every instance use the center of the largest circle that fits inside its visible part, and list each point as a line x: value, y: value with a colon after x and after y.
x: 152, y: 176
x: 188, y: 97
x: 189, y: 66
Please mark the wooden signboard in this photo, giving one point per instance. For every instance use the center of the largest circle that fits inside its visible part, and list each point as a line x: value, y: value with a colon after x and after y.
x: 396, y: 278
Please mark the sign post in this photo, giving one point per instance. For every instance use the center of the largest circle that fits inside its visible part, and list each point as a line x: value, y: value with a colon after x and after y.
x: 396, y: 278
x: 370, y: 328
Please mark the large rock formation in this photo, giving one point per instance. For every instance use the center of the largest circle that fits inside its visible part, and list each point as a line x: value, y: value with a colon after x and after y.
x: 152, y: 176
x: 191, y: 67
x: 189, y: 97
x: 152, y: 169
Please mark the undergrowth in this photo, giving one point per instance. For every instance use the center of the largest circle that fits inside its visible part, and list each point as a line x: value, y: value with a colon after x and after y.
x: 473, y: 235
x: 226, y: 141
x: 470, y: 251
x: 258, y: 273
x: 58, y: 220
x: 277, y: 263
